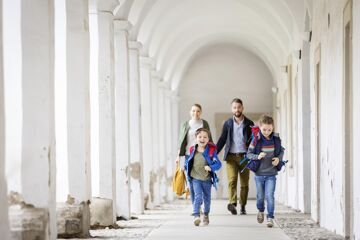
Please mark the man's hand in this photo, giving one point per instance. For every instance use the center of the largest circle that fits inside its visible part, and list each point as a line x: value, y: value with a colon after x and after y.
x: 275, y: 161
x: 207, y: 168
x: 261, y: 155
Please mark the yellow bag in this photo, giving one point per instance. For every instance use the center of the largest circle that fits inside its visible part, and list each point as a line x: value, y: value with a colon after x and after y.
x: 179, y: 181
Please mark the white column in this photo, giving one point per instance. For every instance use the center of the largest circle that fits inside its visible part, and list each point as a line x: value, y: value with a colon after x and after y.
x: 169, y: 139
x: 38, y: 159
x: 4, y: 216
x: 78, y: 105
x: 146, y: 126
x: 106, y: 105
x: 174, y: 126
x: 175, y: 122
x: 162, y: 144
x: 356, y: 119
x: 122, y: 134
x: 155, y: 176
x: 136, y: 167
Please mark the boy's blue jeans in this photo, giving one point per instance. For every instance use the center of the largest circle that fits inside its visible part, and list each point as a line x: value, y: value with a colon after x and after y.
x: 202, y: 190
x: 265, y: 189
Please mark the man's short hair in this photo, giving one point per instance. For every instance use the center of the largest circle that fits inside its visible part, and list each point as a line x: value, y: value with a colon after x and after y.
x: 237, y: 100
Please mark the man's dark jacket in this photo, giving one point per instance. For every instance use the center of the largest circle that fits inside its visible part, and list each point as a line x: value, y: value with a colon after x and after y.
x: 227, y: 134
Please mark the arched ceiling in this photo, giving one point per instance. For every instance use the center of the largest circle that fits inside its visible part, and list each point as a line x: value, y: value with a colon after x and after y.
x: 172, y: 31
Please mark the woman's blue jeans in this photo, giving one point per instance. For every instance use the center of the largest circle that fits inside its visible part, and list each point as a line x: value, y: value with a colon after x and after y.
x: 202, y: 190
x: 265, y: 189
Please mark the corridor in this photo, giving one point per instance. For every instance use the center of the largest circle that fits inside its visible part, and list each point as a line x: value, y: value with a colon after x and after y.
x: 99, y: 99
x: 165, y: 221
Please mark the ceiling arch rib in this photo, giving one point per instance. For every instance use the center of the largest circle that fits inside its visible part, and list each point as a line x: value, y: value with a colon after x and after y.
x: 137, y: 15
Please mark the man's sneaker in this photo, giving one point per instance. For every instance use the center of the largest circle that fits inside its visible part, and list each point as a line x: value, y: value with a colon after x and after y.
x: 270, y: 223
x: 260, y: 217
x: 232, y: 208
x: 206, y: 220
x: 197, y: 221
x: 243, y: 210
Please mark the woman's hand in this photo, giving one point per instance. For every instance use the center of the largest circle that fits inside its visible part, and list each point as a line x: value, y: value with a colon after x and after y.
x: 261, y: 155
x: 177, y: 160
x: 207, y: 168
x: 275, y: 161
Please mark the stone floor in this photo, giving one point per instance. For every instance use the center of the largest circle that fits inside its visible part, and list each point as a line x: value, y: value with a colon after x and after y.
x: 173, y: 221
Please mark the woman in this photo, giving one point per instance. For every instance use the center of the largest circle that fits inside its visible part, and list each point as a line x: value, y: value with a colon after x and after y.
x: 187, y: 137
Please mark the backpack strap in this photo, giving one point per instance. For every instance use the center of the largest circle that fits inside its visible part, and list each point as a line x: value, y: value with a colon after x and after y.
x: 277, y: 143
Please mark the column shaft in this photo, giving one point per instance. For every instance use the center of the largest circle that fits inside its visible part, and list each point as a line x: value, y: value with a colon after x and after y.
x: 38, y: 140
x: 4, y: 216
x: 146, y: 126
x: 136, y: 167
x: 78, y: 119
x: 169, y: 139
x: 162, y: 144
x: 122, y: 134
x: 78, y: 99
x: 107, y: 167
x: 155, y: 176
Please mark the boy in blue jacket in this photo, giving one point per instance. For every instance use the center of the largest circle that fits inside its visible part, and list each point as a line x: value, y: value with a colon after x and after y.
x: 200, y: 168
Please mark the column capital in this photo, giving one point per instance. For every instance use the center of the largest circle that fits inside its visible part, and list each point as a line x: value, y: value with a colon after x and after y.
x: 147, y: 62
x: 135, y: 45
x: 174, y: 97
x: 155, y: 74
x: 164, y: 85
x: 121, y: 25
x: 103, y: 6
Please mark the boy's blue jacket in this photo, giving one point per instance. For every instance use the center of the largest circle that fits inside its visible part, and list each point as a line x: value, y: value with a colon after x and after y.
x: 211, y: 158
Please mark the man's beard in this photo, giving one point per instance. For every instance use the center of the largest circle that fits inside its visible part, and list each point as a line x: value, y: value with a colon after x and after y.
x: 238, y: 114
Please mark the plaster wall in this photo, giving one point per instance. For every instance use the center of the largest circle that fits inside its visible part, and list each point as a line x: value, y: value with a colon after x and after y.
x: 327, y: 28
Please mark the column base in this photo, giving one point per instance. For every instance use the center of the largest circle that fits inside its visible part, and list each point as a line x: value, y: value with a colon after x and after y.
x: 73, y: 220
x: 101, y: 212
x: 28, y: 222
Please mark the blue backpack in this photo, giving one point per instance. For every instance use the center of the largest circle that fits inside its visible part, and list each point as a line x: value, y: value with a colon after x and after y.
x: 254, y: 165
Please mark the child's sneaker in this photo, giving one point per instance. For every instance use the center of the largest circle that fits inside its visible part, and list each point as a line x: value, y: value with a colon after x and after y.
x: 206, y: 220
x: 197, y: 221
x: 270, y: 223
x: 260, y: 217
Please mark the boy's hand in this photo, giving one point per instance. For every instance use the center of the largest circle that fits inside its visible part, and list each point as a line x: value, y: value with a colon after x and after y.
x: 275, y: 161
x: 207, y: 168
x: 261, y: 155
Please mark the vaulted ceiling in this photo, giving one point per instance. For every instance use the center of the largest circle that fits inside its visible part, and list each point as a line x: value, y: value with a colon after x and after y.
x: 172, y: 32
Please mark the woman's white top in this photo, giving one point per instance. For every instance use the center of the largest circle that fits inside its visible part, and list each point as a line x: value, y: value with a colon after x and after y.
x: 190, y: 137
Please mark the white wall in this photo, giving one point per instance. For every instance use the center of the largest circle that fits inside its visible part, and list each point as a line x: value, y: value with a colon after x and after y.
x: 330, y: 152
x: 216, y: 76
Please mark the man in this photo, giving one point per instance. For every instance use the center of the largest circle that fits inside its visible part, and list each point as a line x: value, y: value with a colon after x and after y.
x: 236, y: 135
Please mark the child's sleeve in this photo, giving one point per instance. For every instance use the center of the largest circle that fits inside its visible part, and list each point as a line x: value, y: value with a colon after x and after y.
x: 281, y: 155
x: 215, y: 163
x: 251, y: 152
